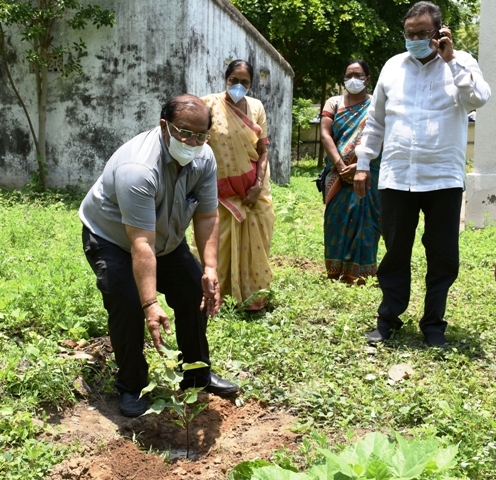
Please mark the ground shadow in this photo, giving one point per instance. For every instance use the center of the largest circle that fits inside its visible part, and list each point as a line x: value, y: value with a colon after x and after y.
x: 464, y: 342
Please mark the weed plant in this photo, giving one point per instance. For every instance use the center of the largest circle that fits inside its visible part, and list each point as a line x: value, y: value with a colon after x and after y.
x: 307, y: 353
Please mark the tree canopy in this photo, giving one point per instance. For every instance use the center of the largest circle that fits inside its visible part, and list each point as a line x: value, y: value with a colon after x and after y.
x: 317, y: 37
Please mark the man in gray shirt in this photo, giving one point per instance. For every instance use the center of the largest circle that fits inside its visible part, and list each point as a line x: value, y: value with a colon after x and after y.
x: 134, y: 222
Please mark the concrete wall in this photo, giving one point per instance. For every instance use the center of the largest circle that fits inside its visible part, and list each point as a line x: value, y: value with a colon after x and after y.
x: 481, y: 184
x: 158, y: 49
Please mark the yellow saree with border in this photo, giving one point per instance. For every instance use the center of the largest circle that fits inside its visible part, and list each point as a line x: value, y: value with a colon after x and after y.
x: 245, y: 232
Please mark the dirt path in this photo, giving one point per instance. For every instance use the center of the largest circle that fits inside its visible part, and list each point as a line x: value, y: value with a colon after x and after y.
x: 117, y: 448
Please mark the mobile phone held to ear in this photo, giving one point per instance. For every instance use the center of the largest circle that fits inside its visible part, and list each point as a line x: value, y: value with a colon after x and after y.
x: 441, y: 35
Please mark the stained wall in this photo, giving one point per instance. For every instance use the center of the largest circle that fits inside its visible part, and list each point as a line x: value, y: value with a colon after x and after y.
x: 157, y: 49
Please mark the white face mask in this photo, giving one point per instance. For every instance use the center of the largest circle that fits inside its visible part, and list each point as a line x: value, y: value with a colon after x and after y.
x: 237, y: 92
x: 419, y: 48
x: 354, y: 85
x: 182, y: 152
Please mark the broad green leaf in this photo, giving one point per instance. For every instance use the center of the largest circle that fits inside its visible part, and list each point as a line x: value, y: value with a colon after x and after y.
x: 344, y: 461
x: 324, y: 471
x: 244, y: 471
x: 378, y: 470
x: 373, y: 444
x: 277, y: 473
x: 359, y: 470
x: 445, y: 457
x: 412, y: 457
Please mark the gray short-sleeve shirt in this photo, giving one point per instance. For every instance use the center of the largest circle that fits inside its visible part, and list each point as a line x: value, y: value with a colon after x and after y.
x: 140, y: 187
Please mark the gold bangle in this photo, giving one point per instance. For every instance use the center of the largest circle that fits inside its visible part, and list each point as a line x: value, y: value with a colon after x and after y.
x: 147, y: 304
x: 260, y: 180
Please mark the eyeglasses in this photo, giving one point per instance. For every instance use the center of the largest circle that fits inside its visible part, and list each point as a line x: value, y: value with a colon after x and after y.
x: 421, y: 35
x: 235, y: 81
x: 187, y: 134
x: 360, y: 76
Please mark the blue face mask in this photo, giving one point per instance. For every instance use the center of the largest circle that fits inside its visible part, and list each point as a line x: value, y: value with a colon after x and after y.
x: 419, y: 48
x: 237, y: 92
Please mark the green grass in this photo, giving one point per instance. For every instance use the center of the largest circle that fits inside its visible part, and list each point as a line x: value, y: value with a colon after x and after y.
x: 307, y: 353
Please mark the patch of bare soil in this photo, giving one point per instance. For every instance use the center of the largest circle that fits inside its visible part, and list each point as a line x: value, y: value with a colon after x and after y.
x: 117, y: 448
x: 300, y: 263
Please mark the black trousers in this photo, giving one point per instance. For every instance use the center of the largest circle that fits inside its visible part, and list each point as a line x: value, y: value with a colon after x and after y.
x: 399, y: 218
x: 178, y: 278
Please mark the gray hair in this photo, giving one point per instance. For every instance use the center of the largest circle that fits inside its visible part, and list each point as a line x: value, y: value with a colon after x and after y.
x: 425, y: 8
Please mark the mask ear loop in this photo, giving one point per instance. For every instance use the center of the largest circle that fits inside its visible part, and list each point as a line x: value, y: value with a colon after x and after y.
x: 170, y: 134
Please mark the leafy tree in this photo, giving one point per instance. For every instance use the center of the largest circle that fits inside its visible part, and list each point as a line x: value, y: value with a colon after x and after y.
x: 35, y: 22
x: 318, y: 36
x: 467, y: 36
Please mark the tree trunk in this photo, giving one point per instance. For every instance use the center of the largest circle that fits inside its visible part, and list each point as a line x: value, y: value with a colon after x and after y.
x: 3, y: 53
x: 41, y: 74
x: 42, y: 116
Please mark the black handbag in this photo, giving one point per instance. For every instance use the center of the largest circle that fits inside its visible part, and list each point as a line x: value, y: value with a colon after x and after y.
x: 320, y: 181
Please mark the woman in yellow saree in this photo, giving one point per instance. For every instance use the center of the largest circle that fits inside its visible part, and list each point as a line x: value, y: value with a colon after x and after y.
x: 240, y: 141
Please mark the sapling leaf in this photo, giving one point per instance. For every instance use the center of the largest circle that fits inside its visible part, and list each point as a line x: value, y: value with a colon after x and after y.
x: 170, y: 363
x: 158, y: 406
x: 169, y: 353
x: 192, y: 366
x: 149, y: 388
x: 190, y: 396
x: 173, y: 377
x: 199, y: 408
x: 178, y: 422
x: 178, y: 409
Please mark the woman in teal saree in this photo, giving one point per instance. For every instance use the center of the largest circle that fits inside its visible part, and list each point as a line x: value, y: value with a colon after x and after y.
x: 351, y: 224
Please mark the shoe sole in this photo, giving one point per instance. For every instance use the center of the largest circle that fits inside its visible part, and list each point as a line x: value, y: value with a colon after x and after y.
x: 130, y: 414
x: 223, y: 393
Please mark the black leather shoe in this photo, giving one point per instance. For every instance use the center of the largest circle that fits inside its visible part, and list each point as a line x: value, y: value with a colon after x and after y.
x: 436, y: 339
x: 377, y: 337
x: 383, y: 331
x: 221, y: 387
x: 380, y: 334
x: 131, y: 405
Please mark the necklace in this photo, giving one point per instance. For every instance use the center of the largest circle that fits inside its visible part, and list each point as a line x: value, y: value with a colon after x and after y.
x: 349, y: 105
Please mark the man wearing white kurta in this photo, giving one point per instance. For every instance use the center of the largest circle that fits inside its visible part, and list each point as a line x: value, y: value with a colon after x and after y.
x: 418, y: 116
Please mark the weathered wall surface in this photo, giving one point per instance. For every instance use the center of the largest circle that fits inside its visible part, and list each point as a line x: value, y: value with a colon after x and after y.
x: 481, y: 184
x: 158, y: 49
